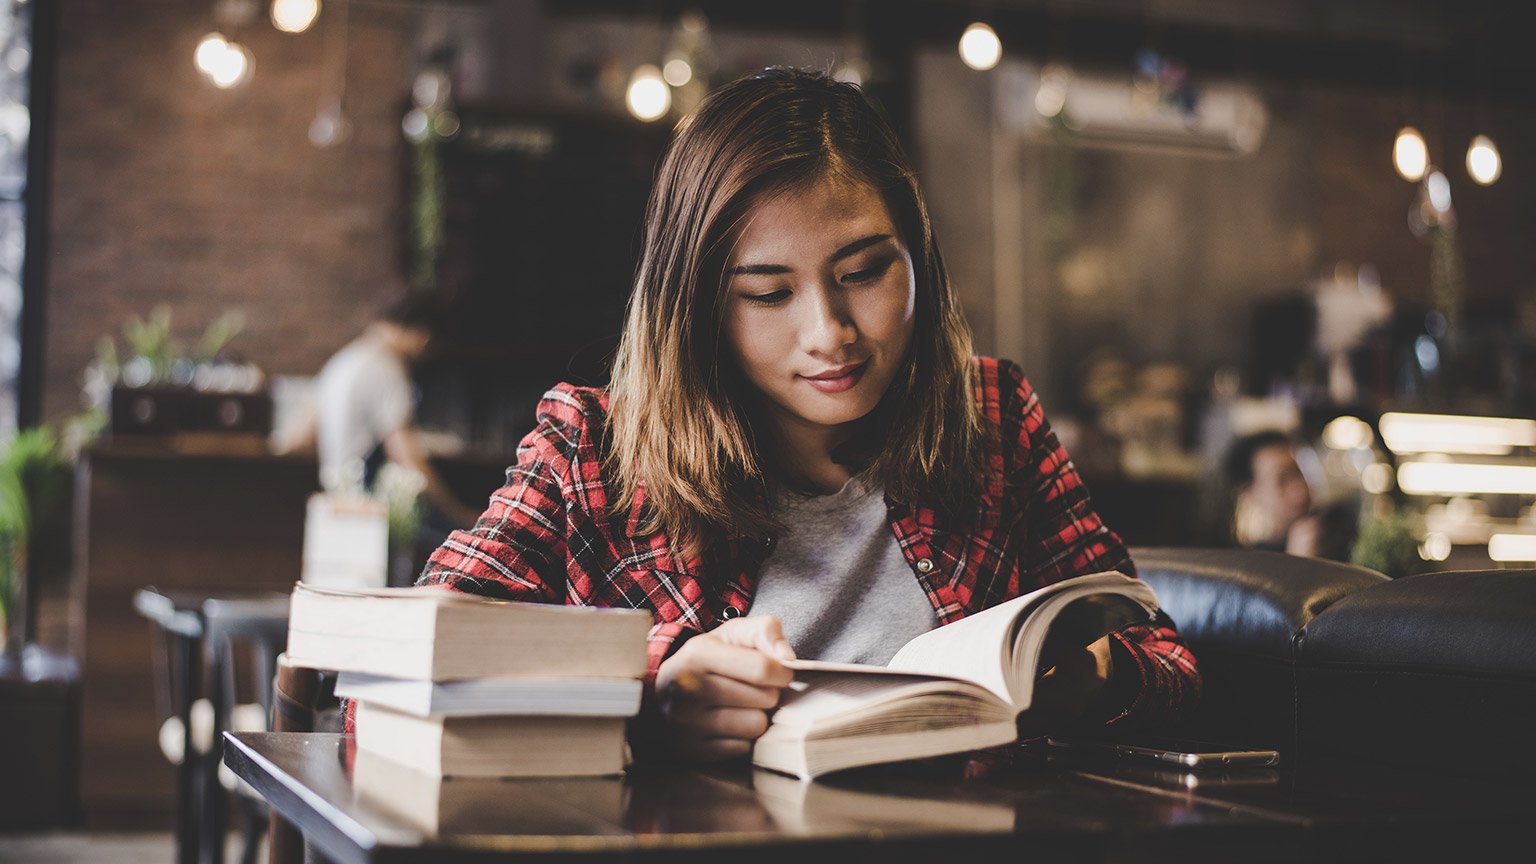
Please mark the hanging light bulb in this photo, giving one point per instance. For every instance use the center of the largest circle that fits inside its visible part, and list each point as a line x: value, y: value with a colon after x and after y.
x: 232, y: 67
x: 648, y: 96
x: 980, y: 48
x: 209, y: 52
x: 1410, y: 155
x: 1483, y: 161
x: 294, y: 16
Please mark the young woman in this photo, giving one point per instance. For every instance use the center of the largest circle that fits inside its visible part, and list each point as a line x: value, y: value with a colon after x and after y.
x: 798, y: 454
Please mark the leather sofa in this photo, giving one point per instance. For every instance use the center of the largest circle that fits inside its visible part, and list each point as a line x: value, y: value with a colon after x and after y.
x: 1316, y: 658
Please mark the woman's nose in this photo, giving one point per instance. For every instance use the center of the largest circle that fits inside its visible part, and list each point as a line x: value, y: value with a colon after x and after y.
x: 829, y: 322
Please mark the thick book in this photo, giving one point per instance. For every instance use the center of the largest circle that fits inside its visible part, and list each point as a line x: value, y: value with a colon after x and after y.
x: 584, y: 697
x: 436, y: 634
x: 496, y: 746
x: 437, y: 805
x: 957, y: 687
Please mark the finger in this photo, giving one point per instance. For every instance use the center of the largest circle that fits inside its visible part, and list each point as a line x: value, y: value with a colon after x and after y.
x: 716, y: 749
x: 741, y: 663
x: 762, y: 632
x: 699, y: 723
x: 720, y: 691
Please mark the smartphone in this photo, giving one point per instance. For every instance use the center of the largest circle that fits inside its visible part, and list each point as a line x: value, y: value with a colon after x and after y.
x: 1193, y: 755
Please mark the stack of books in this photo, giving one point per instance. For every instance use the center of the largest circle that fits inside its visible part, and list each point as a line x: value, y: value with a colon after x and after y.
x: 453, y: 685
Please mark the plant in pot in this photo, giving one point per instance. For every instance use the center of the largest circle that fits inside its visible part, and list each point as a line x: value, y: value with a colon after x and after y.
x: 34, y: 479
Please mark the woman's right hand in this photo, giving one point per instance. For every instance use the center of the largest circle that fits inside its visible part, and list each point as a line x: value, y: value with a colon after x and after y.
x: 716, y: 691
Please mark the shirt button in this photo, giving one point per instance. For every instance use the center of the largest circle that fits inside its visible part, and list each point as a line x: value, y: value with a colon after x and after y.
x: 730, y: 612
x: 924, y: 565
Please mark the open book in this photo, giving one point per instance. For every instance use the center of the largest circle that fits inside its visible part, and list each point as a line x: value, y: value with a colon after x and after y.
x: 955, y: 688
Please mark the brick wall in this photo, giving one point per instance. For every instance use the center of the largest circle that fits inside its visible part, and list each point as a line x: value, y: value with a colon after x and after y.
x: 166, y: 189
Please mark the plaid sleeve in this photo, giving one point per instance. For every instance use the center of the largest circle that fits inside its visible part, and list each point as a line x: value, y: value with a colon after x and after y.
x: 517, y: 548
x: 1066, y: 537
x: 1155, y: 672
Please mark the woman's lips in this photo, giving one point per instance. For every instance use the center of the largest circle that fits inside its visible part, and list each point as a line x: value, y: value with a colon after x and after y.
x: 838, y: 380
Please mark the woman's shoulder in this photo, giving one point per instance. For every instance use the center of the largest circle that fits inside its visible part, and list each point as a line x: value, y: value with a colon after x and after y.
x: 1000, y: 382
x: 573, y: 405
x: 569, y: 417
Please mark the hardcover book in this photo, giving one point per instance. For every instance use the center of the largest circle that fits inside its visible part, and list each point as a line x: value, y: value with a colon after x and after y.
x: 435, y: 634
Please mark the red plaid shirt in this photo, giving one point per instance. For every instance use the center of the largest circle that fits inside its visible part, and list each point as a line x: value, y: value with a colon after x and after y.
x: 548, y: 537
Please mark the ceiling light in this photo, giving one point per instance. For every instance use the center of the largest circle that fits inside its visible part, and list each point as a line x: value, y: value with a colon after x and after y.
x: 230, y: 66
x: 1410, y: 155
x: 1458, y: 478
x: 1512, y: 547
x: 980, y: 48
x: 1483, y: 161
x: 209, y: 52
x: 294, y: 16
x: 1444, y: 433
x: 649, y: 98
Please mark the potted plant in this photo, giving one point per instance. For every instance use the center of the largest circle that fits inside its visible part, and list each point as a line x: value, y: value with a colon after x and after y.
x: 34, y: 477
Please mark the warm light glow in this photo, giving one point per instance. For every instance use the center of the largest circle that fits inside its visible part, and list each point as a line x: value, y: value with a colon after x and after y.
x: 1376, y: 478
x: 1483, y: 161
x: 649, y: 98
x: 1439, y: 190
x: 1512, y: 547
x: 1444, y: 433
x: 1410, y: 154
x: 415, y: 124
x: 446, y: 124
x: 980, y: 48
x: 294, y: 16
x: 1051, y: 98
x: 1457, y: 478
x: 1347, y: 433
x: 1437, y: 547
x: 231, y: 67
x: 209, y: 52
x: 677, y: 72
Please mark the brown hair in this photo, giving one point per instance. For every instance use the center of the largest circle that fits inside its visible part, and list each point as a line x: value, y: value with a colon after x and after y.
x: 680, y: 414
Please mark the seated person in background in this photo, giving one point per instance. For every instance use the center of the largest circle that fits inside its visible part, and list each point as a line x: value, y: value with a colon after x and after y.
x: 1273, y: 508
x: 364, y: 413
x: 798, y: 454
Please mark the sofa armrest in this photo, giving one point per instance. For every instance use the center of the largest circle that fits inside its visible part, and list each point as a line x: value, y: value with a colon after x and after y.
x: 1242, y: 611
x: 1246, y: 600
x: 1436, y: 670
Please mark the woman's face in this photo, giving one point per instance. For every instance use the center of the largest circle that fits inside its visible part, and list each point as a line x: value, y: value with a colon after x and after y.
x: 819, y: 303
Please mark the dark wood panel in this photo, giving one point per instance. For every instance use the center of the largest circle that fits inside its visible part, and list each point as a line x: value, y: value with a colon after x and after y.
x: 147, y: 517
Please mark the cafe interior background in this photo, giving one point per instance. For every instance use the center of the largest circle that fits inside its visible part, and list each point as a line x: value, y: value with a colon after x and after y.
x: 1186, y: 220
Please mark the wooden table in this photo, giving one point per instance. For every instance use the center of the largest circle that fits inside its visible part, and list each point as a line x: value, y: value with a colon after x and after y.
x: 1037, y: 809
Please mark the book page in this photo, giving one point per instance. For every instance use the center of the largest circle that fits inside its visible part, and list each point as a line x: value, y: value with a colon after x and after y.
x: 984, y: 647
x: 814, y: 695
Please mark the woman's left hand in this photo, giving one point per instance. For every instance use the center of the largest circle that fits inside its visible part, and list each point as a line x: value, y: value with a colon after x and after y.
x: 1076, y: 684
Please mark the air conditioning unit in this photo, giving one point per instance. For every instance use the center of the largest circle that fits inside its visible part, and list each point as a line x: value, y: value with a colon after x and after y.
x: 1223, y: 120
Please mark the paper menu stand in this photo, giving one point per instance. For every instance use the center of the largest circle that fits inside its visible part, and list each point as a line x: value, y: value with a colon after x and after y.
x: 346, y: 541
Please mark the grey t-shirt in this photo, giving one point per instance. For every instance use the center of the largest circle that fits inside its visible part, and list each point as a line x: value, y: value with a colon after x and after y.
x: 838, y: 580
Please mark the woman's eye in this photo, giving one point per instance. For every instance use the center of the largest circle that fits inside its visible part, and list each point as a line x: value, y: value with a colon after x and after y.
x: 768, y: 299
x: 868, y: 274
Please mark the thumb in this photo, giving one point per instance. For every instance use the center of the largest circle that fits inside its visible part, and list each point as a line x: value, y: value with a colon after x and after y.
x: 762, y: 632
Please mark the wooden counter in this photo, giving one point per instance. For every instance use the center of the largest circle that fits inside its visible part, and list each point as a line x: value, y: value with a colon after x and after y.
x: 152, y: 515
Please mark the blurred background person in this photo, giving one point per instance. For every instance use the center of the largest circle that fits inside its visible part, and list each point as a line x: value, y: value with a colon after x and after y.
x: 364, y: 415
x: 1273, y: 506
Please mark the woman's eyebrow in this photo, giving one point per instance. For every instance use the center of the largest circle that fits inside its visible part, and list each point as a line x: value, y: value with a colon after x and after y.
x: 860, y: 244
x: 773, y: 269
